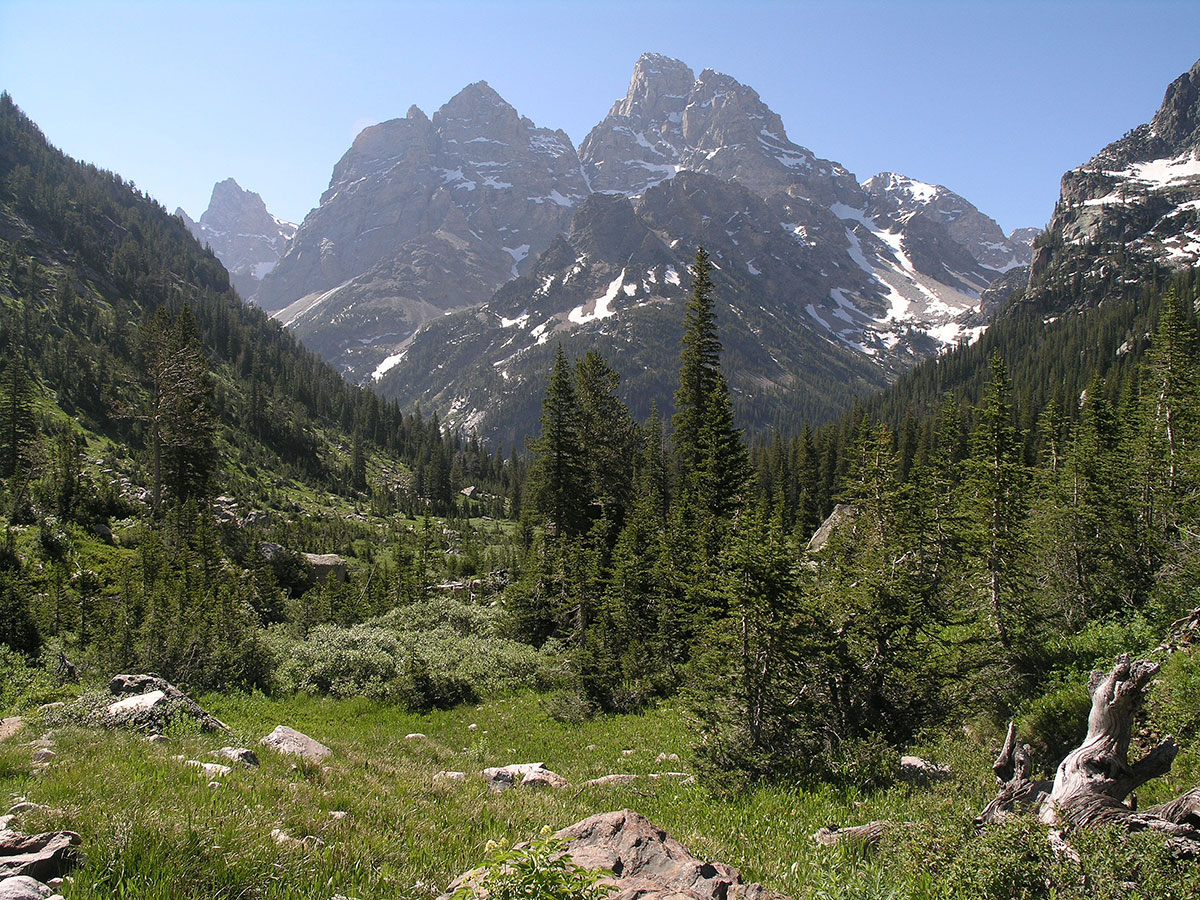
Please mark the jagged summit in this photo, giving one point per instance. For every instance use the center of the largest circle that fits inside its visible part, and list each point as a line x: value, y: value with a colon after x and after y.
x: 423, y: 214
x: 247, y: 239
x: 902, y: 199
x: 1134, y: 206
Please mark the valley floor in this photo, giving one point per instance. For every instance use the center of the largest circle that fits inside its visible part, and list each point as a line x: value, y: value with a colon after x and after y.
x: 153, y: 827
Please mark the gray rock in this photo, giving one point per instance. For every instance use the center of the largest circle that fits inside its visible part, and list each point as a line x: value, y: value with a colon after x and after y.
x: 9, y: 727
x: 137, y: 705
x: 646, y: 862
x: 294, y: 743
x: 22, y: 887
x: 449, y: 776
x: 326, y: 566
x: 41, y: 856
x: 238, y: 754
x: 501, y: 778
x: 155, y: 700
x: 210, y: 770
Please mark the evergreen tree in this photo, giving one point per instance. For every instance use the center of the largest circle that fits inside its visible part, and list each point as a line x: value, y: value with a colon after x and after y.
x: 997, y: 499
x: 558, y: 476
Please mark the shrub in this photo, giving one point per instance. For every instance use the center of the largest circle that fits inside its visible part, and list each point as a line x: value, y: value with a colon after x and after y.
x: 22, y: 683
x: 541, y: 869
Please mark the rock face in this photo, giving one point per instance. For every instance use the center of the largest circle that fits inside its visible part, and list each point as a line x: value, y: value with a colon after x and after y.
x: 905, y: 200
x: 1132, y: 209
x: 647, y: 863
x: 421, y: 216
x: 247, y: 239
x: 294, y: 743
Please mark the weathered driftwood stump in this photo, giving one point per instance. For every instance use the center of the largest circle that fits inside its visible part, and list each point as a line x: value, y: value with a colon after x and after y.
x: 1092, y: 783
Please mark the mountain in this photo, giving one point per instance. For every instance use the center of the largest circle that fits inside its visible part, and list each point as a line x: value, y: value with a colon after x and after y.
x: 1130, y: 211
x: 422, y: 216
x: 832, y: 287
x: 617, y: 283
x: 246, y: 238
x: 910, y: 202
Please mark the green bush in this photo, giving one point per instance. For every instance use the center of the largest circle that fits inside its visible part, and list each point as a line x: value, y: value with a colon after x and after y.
x: 424, y: 656
x: 22, y: 683
x: 542, y: 869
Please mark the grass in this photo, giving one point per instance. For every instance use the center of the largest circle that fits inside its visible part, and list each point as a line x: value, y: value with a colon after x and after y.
x: 154, y: 828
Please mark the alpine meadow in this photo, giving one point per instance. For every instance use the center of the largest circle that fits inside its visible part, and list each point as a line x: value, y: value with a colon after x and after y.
x: 667, y: 517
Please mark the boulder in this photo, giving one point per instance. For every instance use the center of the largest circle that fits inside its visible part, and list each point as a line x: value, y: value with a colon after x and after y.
x: 140, y: 704
x: 449, y: 776
x: 290, y: 741
x: 326, y: 566
x: 211, y: 770
x: 646, y: 863
x: 41, y: 856
x: 22, y: 887
x: 238, y: 755
x: 9, y: 727
x: 150, y: 702
x: 501, y: 778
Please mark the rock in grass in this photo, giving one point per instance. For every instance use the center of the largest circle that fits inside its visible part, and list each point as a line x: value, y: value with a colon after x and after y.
x: 295, y: 743
x: 9, y: 727
x: 646, y: 863
x: 238, y: 755
x: 22, y: 887
x: 40, y: 856
x: 143, y: 707
x: 449, y: 776
x: 501, y: 778
x: 210, y: 770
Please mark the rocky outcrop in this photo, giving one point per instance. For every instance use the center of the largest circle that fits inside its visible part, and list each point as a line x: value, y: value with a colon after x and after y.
x: 149, y: 702
x: 503, y: 778
x: 247, y: 239
x: 291, y: 742
x: 1131, y: 210
x: 39, y: 856
x: 900, y: 199
x: 646, y: 863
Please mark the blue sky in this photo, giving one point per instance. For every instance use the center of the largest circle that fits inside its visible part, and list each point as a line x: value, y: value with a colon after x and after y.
x: 992, y: 99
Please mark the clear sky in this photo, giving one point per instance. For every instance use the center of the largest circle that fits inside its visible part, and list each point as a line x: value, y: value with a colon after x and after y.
x: 993, y: 98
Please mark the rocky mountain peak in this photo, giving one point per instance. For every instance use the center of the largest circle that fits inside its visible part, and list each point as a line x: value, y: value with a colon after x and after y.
x: 477, y: 111
x: 1178, y: 119
x: 1134, y: 207
x: 232, y: 209
x: 658, y: 89
x: 246, y: 238
x: 901, y: 200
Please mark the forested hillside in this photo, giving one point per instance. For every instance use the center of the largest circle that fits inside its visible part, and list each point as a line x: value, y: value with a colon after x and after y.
x: 168, y: 452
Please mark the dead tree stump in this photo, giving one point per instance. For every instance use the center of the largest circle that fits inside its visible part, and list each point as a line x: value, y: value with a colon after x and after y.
x: 1092, y: 783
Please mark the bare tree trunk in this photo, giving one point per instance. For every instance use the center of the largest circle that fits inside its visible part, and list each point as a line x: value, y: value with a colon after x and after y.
x: 1092, y: 783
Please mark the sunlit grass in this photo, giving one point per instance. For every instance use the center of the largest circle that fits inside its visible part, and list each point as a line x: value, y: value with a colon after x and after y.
x: 154, y: 828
